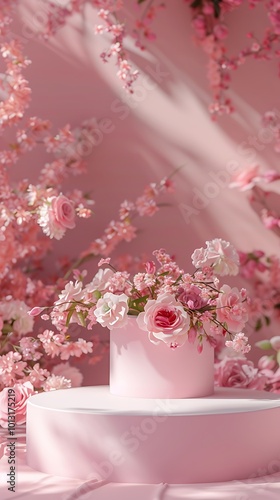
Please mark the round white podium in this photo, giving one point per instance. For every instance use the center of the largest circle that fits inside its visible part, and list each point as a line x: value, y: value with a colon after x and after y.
x: 88, y: 433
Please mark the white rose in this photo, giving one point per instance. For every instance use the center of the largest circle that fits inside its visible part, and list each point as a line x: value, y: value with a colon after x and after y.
x: 111, y: 310
x: 100, y: 280
x: 73, y: 292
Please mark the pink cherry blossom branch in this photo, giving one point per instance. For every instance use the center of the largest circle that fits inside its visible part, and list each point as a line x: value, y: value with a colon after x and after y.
x: 123, y: 229
x: 211, y: 33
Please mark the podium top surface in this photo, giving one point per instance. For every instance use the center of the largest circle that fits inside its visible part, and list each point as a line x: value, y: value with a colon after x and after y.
x: 98, y: 400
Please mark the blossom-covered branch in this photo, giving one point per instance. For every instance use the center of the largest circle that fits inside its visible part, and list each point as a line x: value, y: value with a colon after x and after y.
x: 209, y: 22
x: 32, y: 217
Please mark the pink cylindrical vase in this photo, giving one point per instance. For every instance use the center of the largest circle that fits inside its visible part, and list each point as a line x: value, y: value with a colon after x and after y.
x: 141, y: 369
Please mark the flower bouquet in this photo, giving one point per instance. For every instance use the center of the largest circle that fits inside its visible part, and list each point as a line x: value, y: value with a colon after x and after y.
x: 169, y: 304
x: 162, y: 307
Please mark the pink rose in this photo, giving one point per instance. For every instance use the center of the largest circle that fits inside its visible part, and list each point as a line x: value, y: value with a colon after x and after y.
x: 165, y: 320
x: 266, y: 363
x: 199, y: 257
x: 56, y: 215
x: 191, y: 297
x: 64, y: 212
x: 239, y: 373
x: 231, y: 310
x: 17, y: 397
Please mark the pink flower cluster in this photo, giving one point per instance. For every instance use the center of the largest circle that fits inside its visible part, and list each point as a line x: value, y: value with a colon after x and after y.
x: 263, y: 274
x: 171, y: 306
x: 112, y: 25
x: 263, y: 271
x: 264, y: 202
x: 15, y: 90
x: 63, y: 376
x: 239, y: 373
x: 142, y: 30
x: 219, y: 253
x: 269, y: 364
x: 250, y: 176
x: 58, y: 15
x: 211, y: 33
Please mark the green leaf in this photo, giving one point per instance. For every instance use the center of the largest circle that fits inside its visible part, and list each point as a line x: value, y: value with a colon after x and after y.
x: 97, y: 294
x: 264, y: 344
x: 140, y: 1
x: 140, y: 299
x: 267, y: 320
x: 178, y: 279
x: 81, y: 318
x: 258, y: 325
x: 69, y: 315
x: 278, y: 357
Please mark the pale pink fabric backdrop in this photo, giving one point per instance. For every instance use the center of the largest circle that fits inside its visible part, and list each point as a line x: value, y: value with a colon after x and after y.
x: 164, y: 125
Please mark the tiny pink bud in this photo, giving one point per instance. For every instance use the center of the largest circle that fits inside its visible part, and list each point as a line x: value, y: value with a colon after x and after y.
x: 200, y: 348
x: 150, y: 267
x: 35, y: 311
x: 104, y: 261
x: 266, y: 363
x: 259, y: 253
x: 192, y: 335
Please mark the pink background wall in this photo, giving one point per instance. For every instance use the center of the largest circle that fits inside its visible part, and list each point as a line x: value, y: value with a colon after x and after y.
x: 163, y: 125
